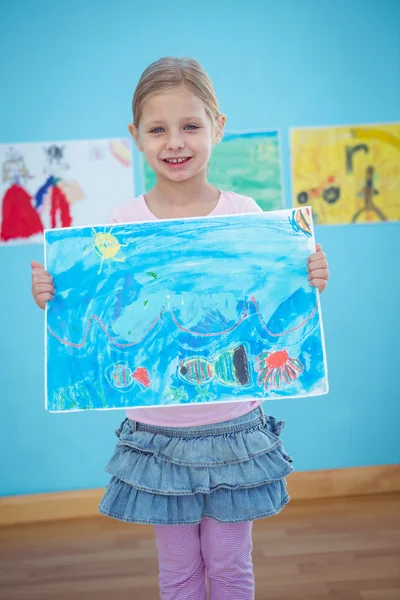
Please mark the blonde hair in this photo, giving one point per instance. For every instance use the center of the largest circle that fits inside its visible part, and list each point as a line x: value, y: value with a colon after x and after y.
x: 168, y: 73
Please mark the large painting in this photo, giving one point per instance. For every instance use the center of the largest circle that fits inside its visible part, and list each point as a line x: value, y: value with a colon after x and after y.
x: 61, y: 184
x: 179, y: 312
x: 348, y: 174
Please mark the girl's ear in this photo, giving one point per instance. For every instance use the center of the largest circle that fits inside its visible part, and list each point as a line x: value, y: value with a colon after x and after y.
x: 219, y: 133
x: 134, y: 131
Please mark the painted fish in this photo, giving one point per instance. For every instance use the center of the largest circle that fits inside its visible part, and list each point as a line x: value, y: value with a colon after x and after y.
x: 301, y: 221
x: 229, y: 368
x: 122, y: 376
x: 276, y: 369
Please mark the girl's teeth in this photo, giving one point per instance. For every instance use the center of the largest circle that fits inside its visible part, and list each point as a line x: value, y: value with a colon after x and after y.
x: 176, y: 160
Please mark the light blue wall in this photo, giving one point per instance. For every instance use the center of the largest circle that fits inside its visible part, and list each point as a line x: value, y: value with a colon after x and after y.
x: 68, y: 71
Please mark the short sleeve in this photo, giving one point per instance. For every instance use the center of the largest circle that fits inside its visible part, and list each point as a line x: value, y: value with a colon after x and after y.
x: 252, y: 206
x: 115, y: 217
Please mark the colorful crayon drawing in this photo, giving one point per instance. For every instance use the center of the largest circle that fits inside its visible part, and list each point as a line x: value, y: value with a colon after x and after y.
x: 106, y: 246
x: 300, y: 220
x: 121, y: 150
x: 183, y: 312
x: 19, y: 219
x: 348, y: 174
x: 230, y: 368
x: 277, y: 368
x: 60, y: 184
x: 247, y: 162
x: 122, y: 377
x: 51, y: 193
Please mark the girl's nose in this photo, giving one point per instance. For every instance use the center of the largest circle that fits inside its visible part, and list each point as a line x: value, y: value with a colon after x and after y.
x: 175, y: 142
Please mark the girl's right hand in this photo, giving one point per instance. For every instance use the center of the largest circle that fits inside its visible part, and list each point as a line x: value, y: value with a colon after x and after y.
x: 42, y: 284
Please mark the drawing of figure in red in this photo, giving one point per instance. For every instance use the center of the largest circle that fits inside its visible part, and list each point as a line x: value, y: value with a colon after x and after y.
x: 55, y: 197
x: 51, y: 191
x: 19, y: 217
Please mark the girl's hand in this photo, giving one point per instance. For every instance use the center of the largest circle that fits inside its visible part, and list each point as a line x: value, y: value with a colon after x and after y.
x: 42, y: 284
x: 318, y: 273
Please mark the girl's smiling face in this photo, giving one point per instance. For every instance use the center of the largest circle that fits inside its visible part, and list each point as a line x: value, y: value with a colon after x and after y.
x: 176, y: 134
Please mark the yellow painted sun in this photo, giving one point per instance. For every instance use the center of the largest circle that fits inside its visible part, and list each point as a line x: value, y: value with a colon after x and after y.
x: 106, y: 246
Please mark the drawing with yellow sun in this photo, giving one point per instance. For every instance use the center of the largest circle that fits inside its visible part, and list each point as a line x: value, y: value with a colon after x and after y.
x: 106, y: 246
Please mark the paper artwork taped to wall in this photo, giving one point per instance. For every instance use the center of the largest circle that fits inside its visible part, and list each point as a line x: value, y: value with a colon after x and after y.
x: 61, y: 184
x: 246, y: 162
x: 180, y: 312
x: 348, y: 174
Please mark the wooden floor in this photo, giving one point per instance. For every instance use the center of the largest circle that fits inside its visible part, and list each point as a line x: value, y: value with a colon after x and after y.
x: 347, y: 549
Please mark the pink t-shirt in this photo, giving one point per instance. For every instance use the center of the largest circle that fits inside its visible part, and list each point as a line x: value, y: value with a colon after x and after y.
x: 229, y: 203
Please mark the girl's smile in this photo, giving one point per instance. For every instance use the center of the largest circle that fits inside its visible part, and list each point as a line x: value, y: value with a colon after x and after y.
x: 177, y: 163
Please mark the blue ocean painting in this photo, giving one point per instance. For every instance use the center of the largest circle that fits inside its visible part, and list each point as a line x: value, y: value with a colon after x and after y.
x: 189, y: 311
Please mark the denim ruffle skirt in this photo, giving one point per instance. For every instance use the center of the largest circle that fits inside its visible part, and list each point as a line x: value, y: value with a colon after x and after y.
x: 232, y: 472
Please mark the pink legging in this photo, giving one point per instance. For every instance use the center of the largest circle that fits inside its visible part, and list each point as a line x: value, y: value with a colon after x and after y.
x: 220, y: 551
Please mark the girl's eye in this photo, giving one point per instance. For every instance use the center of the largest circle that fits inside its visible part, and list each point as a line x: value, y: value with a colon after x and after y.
x: 192, y: 127
x: 157, y: 130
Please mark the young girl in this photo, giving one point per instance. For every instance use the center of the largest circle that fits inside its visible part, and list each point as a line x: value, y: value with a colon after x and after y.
x: 200, y: 474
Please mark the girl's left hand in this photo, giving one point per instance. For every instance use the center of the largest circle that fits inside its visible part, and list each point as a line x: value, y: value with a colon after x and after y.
x: 318, y: 273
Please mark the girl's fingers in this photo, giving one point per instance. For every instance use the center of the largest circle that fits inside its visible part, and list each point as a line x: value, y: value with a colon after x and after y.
x: 36, y: 265
x: 319, y: 274
x: 40, y: 277
x: 319, y: 283
x: 42, y: 299
x: 318, y: 264
x: 40, y: 288
x: 37, y: 271
x: 317, y: 256
x: 42, y: 284
x: 318, y: 269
